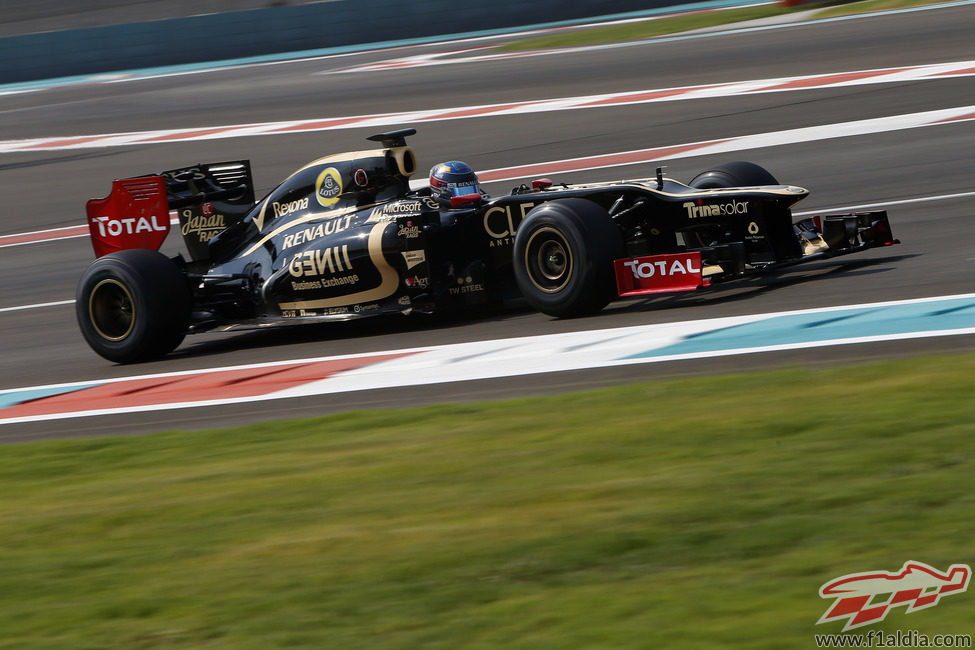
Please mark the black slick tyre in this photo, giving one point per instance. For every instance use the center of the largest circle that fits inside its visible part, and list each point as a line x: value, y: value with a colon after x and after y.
x: 133, y: 305
x: 734, y: 174
x: 563, y: 257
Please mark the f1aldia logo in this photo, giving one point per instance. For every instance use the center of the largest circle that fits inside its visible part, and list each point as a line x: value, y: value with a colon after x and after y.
x: 865, y: 598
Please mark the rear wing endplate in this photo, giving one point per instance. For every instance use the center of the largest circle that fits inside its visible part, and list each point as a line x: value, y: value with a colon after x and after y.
x: 134, y: 215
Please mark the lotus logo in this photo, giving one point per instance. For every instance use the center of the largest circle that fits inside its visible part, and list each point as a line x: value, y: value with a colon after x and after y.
x: 865, y: 598
x: 328, y: 187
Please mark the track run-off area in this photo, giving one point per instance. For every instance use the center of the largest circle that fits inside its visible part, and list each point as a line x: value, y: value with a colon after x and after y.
x: 493, y: 359
x: 873, y: 112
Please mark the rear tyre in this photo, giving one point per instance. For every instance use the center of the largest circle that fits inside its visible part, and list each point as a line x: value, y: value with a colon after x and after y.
x: 133, y: 305
x: 563, y: 258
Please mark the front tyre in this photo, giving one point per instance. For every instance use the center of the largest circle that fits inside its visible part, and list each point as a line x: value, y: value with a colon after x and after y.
x: 563, y: 257
x: 740, y: 173
x: 133, y: 305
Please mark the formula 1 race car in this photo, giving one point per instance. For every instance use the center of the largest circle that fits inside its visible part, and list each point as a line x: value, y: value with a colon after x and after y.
x: 345, y: 237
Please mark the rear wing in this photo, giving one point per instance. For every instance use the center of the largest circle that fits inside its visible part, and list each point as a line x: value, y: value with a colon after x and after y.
x: 134, y: 215
x: 203, y: 200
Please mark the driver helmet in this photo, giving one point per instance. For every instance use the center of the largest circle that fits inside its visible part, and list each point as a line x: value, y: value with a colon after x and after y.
x: 453, y: 178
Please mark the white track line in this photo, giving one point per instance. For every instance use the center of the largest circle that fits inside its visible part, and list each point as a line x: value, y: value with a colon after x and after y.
x: 377, y: 121
x: 37, y: 305
x: 885, y: 204
x: 740, y: 143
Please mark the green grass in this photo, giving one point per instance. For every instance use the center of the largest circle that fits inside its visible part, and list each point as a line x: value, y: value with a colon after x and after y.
x: 682, y: 23
x: 695, y: 513
x: 852, y: 8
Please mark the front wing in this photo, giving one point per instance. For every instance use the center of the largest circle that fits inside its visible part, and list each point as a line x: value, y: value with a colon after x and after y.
x: 820, y: 238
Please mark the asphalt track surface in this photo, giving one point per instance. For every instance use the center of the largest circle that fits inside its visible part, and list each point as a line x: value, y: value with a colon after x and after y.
x: 48, y: 189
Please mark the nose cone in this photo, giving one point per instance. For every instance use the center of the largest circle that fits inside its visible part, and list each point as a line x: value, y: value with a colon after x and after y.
x: 796, y: 193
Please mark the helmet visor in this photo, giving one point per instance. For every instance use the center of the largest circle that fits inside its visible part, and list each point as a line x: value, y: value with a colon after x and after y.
x: 465, y: 189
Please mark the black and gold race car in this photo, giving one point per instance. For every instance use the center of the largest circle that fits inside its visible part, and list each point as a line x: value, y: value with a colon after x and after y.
x: 345, y: 236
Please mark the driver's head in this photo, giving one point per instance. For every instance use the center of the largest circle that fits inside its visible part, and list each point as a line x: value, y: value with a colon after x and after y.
x: 453, y: 178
